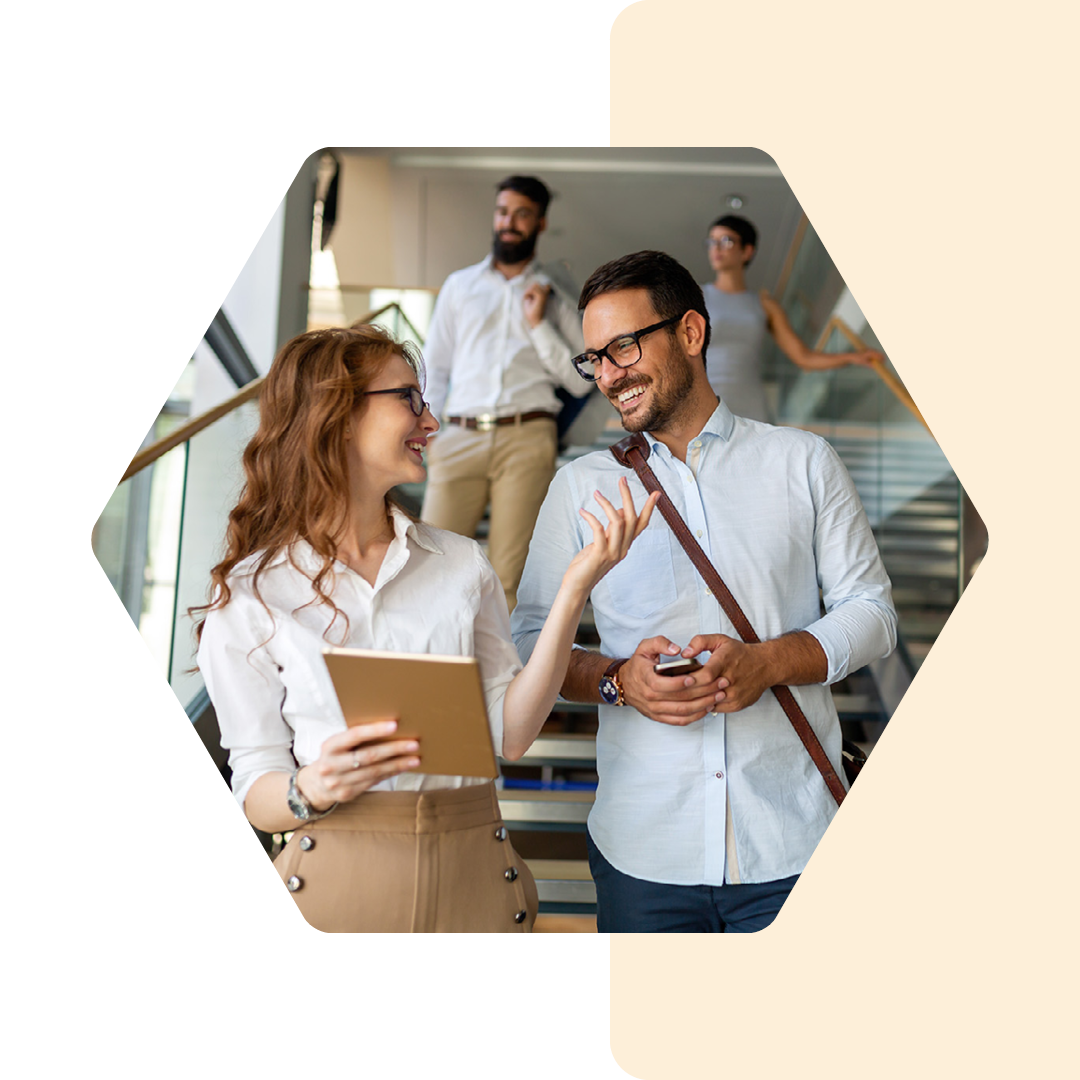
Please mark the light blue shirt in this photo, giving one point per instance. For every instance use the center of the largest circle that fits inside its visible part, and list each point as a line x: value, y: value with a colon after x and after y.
x: 733, y: 797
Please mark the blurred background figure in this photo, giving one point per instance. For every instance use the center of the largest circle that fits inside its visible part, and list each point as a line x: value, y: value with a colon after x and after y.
x: 740, y: 320
x: 500, y: 342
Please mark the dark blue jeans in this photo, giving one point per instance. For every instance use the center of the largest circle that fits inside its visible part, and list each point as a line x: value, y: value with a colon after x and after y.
x: 628, y: 905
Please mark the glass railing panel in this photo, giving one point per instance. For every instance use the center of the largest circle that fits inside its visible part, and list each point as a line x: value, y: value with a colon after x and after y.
x: 136, y: 539
x: 904, y: 481
x: 410, y: 319
x: 909, y: 491
x: 212, y: 485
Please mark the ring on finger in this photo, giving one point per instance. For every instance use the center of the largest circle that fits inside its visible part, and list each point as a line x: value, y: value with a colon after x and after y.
x: 356, y: 761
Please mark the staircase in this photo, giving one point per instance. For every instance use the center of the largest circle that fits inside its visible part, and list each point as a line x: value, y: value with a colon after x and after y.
x: 912, y: 498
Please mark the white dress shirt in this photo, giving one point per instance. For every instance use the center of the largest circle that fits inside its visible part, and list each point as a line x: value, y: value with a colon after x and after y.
x: 264, y: 671
x: 482, y: 356
x: 778, y: 516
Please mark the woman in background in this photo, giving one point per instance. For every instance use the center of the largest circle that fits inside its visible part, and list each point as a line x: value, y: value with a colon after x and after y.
x: 740, y: 319
x: 316, y: 555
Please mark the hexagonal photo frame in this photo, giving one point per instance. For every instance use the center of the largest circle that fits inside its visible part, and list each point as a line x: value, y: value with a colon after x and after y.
x: 370, y: 235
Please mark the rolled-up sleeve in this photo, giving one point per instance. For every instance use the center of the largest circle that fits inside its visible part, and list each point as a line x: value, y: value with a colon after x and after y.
x: 244, y: 683
x: 860, y: 621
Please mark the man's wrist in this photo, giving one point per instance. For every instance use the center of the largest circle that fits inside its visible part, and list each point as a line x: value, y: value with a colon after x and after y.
x: 582, y: 682
x: 794, y: 659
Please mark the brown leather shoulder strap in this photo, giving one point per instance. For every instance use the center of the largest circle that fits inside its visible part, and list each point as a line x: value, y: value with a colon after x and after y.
x: 633, y: 452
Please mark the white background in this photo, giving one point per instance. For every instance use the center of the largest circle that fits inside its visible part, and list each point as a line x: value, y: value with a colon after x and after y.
x: 146, y: 149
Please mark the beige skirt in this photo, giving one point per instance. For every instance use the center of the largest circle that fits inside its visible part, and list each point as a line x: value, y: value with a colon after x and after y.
x: 411, y: 862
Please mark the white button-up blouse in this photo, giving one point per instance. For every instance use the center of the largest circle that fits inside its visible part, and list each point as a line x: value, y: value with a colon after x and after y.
x: 262, y: 661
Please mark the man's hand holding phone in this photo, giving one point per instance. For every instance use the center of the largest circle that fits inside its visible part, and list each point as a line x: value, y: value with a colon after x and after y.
x: 680, y: 693
x: 681, y: 665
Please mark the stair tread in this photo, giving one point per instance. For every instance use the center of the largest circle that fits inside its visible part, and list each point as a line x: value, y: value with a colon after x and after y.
x: 561, y: 869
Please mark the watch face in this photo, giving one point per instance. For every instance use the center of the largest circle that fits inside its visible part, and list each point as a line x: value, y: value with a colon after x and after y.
x: 609, y: 691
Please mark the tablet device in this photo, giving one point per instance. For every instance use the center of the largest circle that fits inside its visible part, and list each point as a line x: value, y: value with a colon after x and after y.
x: 437, y: 700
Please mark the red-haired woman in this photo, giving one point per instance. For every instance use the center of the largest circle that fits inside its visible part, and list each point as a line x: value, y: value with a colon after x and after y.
x: 317, y: 554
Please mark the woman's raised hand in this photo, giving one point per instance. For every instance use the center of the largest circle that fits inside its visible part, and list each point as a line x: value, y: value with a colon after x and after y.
x: 611, y: 543
x: 351, y: 761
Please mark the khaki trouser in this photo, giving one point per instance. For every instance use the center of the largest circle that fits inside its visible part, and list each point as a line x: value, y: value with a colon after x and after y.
x: 510, y: 466
x: 411, y: 862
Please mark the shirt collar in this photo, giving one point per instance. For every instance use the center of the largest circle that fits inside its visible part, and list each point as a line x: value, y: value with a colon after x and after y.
x: 532, y: 268
x: 305, y: 559
x: 416, y: 531
x: 721, y: 424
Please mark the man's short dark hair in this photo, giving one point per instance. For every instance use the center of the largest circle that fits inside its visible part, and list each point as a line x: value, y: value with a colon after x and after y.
x: 530, y: 187
x: 671, y: 287
x: 742, y: 228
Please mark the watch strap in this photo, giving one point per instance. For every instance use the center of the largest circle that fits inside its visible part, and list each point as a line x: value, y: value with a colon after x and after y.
x: 297, y: 799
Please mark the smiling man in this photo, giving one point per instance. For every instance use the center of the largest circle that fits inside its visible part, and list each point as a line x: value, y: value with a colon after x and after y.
x: 708, y: 806
x: 500, y: 342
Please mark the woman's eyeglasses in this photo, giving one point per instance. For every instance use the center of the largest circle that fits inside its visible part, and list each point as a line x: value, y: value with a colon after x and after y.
x: 416, y: 400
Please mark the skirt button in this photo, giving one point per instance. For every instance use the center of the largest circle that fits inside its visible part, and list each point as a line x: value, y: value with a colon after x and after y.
x: 511, y: 874
x: 520, y: 916
x: 295, y: 883
x: 500, y: 833
x: 307, y: 843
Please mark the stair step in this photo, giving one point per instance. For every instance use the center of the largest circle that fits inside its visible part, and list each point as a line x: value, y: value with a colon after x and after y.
x: 913, y: 566
x: 930, y: 506
x: 929, y: 542
x: 563, y: 881
x: 917, y: 526
x: 554, y: 808
x: 855, y: 705
x: 560, y: 750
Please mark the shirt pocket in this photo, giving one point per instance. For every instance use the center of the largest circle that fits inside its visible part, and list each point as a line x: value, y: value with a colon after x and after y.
x: 644, y: 582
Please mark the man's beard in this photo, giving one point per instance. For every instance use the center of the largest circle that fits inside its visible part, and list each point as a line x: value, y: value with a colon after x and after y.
x: 668, y: 399
x: 511, y: 252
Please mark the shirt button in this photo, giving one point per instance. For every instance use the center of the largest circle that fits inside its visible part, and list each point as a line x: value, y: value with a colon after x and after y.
x: 699, y: 534
x: 719, y: 776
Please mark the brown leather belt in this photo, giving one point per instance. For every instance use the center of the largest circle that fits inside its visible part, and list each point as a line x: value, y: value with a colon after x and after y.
x: 486, y: 423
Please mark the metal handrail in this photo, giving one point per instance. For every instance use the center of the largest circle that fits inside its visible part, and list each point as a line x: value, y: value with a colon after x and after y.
x: 887, y: 377
x: 198, y: 423
x: 836, y: 323
x: 789, y: 260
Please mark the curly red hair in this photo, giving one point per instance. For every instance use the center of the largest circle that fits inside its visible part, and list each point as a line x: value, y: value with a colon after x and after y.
x: 296, y: 476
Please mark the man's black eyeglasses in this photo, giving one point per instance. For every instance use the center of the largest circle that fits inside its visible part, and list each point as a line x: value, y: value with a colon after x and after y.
x: 416, y: 400
x: 623, y: 352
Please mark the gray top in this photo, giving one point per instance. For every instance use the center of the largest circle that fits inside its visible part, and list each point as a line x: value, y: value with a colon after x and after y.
x: 733, y: 362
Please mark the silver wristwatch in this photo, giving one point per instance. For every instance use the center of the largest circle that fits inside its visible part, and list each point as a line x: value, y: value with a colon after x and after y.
x: 300, y: 808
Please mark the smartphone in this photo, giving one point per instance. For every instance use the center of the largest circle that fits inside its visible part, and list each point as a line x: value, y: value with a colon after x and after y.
x: 679, y: 666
